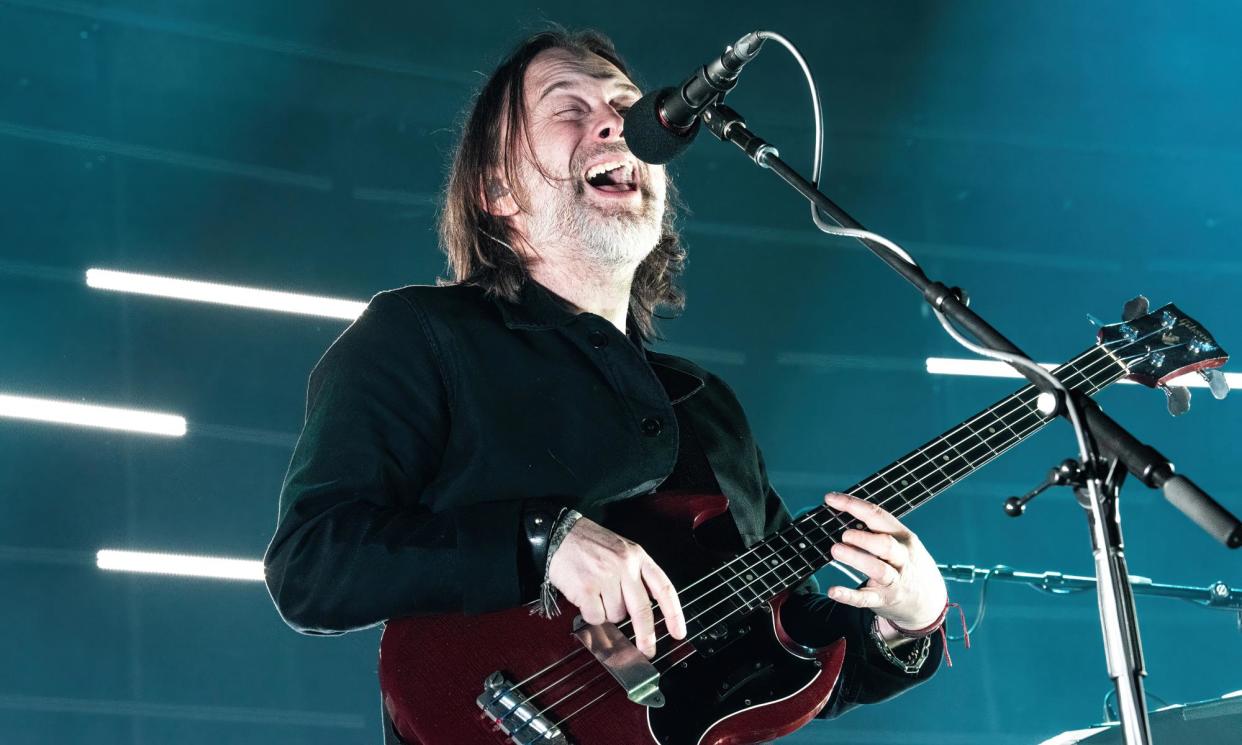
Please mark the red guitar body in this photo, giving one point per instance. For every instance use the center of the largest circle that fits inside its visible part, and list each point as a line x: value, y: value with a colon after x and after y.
x: 741, y: 681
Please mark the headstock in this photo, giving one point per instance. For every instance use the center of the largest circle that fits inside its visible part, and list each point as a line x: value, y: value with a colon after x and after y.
x: 1158, y: 346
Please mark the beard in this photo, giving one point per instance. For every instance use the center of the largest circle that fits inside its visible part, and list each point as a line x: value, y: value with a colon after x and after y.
x: 610, y: 235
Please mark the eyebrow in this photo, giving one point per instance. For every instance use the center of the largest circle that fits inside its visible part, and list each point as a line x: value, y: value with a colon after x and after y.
x: 569, y: 83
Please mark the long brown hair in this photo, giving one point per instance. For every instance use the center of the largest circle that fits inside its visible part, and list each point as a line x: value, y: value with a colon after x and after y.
x: 477, y: 243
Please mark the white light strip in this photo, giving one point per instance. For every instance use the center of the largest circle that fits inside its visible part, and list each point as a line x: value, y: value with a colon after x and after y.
x: 211, y: 292
x: 91, y: 415
x: 179, y: 564
x: 994, y: 369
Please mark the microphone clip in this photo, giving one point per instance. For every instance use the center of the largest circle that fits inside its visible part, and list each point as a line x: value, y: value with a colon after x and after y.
x: 727, y: 125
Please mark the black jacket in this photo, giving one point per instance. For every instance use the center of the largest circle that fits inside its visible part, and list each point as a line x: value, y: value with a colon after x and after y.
x: 441, y: 414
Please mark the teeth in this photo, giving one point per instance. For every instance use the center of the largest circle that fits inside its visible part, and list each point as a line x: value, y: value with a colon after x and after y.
x: 604, y: 167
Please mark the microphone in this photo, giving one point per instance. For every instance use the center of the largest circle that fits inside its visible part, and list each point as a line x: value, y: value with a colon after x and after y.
x: 663, y: 123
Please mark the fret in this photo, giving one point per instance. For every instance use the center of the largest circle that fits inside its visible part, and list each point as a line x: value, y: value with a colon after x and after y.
x: 1000, y: 426
x: 797, y: 552
x: 886, y: 486
x: 998, y: 431
x: 931, y: 475
x: 991, y: 452
x: 923, y: 473
x: 911, y: 481
x: 814, y: 518
x: 805, y: 542
x: 1110, y: 370
x: 770, y: 568
x: 755, y: 574
x: 739, y: 593
x: 959, y: 455
x: 1031, y: 418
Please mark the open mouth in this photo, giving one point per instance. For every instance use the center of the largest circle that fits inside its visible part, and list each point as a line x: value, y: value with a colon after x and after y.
x: 616, y: 176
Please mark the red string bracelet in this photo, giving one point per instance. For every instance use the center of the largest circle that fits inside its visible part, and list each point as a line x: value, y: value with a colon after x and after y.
x: 938, y: 625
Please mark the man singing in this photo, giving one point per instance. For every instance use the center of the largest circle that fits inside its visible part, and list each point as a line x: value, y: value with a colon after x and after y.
x: 463, y: 442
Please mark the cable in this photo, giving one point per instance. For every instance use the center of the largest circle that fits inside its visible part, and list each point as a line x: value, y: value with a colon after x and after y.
x: 817, y: 162
x: 980, y: 610
x: 1086, y: 452
x: 1110, y: 713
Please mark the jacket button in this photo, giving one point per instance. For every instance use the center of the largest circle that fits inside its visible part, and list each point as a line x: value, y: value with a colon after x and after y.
x: 598, y: 339
x: 652, y: 426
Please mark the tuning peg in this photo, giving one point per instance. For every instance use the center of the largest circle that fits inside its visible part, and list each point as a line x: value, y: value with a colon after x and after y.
x: 1216, y: 382
x: 1095, y: 321
x: 1179, y: 399
x: 1137, y: 307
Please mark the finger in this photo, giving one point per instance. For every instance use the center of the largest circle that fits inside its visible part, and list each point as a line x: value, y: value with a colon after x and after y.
x: 873, y: 516
x: 883, y: 545
x: 881, y: 572
x: 614, y: 604
x: 666, y: 595
x: 592, y: 610
x: 863, y: 598
x: 639, y: 605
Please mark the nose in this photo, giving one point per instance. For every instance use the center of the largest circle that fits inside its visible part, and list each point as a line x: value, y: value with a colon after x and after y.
x: 610, y: 125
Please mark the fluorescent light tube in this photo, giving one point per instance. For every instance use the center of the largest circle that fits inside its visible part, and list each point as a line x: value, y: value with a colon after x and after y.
x: 222, y: 294
x: 183, y: 565
x: 994, y: 369
x: 91, y: 415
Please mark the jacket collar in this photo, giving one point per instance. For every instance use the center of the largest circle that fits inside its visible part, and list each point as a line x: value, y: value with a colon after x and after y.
x: 681, y: 377
x: 538, y: 308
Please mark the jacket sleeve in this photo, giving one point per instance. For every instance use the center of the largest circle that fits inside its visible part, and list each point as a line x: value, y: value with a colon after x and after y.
x: 355, y: 542
x: 814, y: 620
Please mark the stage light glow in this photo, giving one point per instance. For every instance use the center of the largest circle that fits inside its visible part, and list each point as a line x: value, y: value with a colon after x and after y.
x: 222, y: 294
x: 184, y: 565
x: 91, y: 415
x: 994, y: 369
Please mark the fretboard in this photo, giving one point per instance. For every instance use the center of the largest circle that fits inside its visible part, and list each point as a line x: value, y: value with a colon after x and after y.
x: 787, y: 558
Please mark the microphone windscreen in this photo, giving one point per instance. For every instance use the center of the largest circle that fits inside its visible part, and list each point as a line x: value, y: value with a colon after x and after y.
x: 647, y: 137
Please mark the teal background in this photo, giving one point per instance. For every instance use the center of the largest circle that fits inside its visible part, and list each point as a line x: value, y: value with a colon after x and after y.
x: 1054, y: 158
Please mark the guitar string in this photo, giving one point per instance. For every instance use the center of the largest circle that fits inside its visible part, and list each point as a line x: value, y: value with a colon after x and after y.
x: 888, y: 469
x: 797, y: 578
x: 1040, y: 421
x: 1020, y: 405
x: 899, y: 463
x: 1012, y: 399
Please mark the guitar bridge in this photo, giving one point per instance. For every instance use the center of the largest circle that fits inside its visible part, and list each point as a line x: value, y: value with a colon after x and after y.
x: 509, y: 709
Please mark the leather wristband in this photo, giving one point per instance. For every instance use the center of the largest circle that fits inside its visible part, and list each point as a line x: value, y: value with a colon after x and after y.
x: 538, y: 520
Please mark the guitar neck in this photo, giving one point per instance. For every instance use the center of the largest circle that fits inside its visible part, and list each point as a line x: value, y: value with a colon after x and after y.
x: 927, y: 471
x: 787, y: 558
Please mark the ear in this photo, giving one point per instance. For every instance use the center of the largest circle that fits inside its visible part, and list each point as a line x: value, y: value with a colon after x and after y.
x: 499, y: 198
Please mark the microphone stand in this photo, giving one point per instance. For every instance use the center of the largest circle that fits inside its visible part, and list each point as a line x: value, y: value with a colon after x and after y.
x: 1100, y: 489
x: 1216, y: 595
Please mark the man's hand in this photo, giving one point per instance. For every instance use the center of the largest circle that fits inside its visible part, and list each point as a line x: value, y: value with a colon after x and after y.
x: 608, y: 577
x: 904, y: 585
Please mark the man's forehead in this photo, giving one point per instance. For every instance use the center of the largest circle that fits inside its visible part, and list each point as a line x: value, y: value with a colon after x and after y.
x: 558, y: 68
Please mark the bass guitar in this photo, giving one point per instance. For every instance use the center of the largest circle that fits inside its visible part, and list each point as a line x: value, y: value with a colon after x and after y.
x: 510, y: 677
